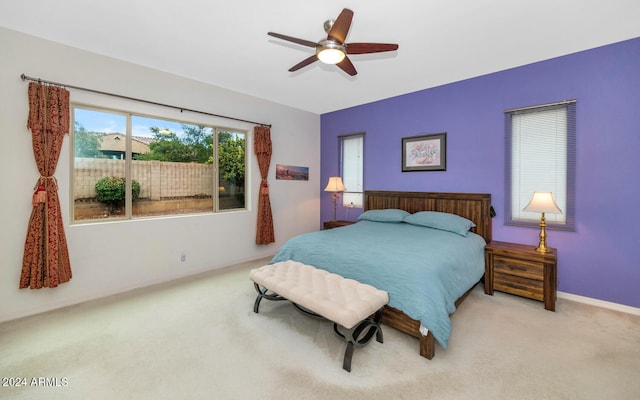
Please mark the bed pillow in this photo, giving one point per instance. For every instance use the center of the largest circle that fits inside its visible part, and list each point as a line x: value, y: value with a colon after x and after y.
x: 440, y: 220
x: 387, y: 215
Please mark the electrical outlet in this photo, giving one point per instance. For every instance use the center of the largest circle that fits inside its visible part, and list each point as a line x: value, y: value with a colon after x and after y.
x: 183, y: 256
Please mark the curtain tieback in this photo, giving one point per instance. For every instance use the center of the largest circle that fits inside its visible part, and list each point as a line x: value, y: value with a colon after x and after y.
x: 264, y: 187
x: 40, y: 190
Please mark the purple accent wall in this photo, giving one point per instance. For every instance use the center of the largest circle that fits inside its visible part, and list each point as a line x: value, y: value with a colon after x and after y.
x: 601, y: 259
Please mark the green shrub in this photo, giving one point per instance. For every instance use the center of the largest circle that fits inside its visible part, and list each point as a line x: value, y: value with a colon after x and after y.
x: 111, y: 189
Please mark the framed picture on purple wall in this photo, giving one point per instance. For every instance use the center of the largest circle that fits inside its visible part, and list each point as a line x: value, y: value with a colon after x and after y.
x: 425, y: 152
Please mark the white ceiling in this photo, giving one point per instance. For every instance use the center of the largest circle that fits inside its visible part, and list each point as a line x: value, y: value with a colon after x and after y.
x: 225, y: 43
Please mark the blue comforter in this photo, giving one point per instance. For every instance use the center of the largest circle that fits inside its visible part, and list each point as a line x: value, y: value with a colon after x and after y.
x: 424, y: 270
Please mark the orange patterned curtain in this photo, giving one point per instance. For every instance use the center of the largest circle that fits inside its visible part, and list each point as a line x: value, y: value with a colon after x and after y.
x: 262, y: 148
x: 46, y: 256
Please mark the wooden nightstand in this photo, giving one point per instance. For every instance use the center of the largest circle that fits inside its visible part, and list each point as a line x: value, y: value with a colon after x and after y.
x: 519, y: 269
x: 336, y: 224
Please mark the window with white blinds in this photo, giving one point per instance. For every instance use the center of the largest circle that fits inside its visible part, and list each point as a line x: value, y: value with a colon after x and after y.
x: 540, y: 146
x: 351, y: 165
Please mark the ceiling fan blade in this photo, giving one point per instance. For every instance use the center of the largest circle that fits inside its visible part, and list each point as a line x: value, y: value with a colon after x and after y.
x: 347, y: 66
x: 304, y: 63
x: 303, y: 42
x: 340, y: 28
x: 365, y: 48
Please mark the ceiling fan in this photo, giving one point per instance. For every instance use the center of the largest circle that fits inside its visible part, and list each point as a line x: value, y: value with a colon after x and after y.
x: 333, y: 49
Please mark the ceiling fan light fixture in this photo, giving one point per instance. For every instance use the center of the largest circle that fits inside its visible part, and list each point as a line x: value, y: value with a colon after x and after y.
x: 333, y: 50
x: 330, y: 52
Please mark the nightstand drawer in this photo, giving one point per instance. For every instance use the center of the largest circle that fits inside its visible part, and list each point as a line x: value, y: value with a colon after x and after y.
x: 526, y: 269
x: 518, y: 285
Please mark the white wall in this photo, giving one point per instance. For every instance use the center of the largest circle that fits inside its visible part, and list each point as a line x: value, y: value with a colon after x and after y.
x: 108, y: 258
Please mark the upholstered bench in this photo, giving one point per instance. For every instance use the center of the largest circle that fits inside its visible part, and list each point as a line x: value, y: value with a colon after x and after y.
x: 346, y: 302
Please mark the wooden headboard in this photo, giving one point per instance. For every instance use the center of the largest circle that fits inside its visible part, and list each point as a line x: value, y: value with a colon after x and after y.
x: 473, y: 206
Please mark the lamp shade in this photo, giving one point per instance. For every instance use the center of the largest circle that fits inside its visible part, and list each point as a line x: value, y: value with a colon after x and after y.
x: 334, y: 185
x: 542, y: 202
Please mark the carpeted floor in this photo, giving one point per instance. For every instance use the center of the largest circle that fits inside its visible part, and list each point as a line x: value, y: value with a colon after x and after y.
x: 198, y: 338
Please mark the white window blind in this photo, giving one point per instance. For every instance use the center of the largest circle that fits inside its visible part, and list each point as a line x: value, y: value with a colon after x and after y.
x: 352, y: 147
x: 541, y: 158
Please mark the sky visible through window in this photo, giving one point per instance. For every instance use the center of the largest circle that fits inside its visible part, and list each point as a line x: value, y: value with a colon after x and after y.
x: 103, y: 122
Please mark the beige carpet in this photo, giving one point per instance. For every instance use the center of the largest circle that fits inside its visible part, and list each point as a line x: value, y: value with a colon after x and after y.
x: 198, y: 338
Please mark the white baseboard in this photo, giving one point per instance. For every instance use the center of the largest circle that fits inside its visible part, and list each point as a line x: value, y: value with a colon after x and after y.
x: 102, y: 294
x: 600, y: 303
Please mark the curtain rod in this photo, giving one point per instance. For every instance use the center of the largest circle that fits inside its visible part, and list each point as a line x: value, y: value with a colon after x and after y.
x: 541, y: 105
x: 28, y: 78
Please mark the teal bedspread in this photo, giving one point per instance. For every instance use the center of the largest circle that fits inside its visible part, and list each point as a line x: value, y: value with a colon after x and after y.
x: 423, y: 270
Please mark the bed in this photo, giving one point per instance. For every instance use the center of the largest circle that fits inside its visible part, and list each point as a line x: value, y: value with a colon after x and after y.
x: 425, y: 285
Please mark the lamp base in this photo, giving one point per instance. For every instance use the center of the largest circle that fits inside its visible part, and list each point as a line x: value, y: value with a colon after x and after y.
x: 543, y: 249
x: 335, y: 204
x: 542, y: 246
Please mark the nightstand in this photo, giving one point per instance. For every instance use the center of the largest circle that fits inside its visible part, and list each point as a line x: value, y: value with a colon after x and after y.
x: 519, y: 269
x: 336, y: 224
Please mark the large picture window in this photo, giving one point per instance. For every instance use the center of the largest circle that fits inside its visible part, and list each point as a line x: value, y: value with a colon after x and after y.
x: 133, y: 166
x: 540, y: 146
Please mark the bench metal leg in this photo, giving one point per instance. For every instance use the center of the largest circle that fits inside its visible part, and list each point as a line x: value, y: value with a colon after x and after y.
x: 348, y: 354
x: 264, y: 292
x: 355, y: 337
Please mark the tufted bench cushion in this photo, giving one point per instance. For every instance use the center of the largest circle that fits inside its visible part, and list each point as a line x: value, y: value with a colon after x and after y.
x: 338, y: 299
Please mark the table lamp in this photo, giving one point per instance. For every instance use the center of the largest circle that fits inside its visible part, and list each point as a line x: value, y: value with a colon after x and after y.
x: 542, y: 202
x: 335, y: 185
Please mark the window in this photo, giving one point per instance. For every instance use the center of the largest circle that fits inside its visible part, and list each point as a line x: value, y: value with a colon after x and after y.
x: 351, y: 163
x: 540, y: 147
x: 132, y: 166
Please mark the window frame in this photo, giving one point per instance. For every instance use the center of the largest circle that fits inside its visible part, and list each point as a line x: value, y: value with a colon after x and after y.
x: 569, y: 208
x: 128, y: 206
